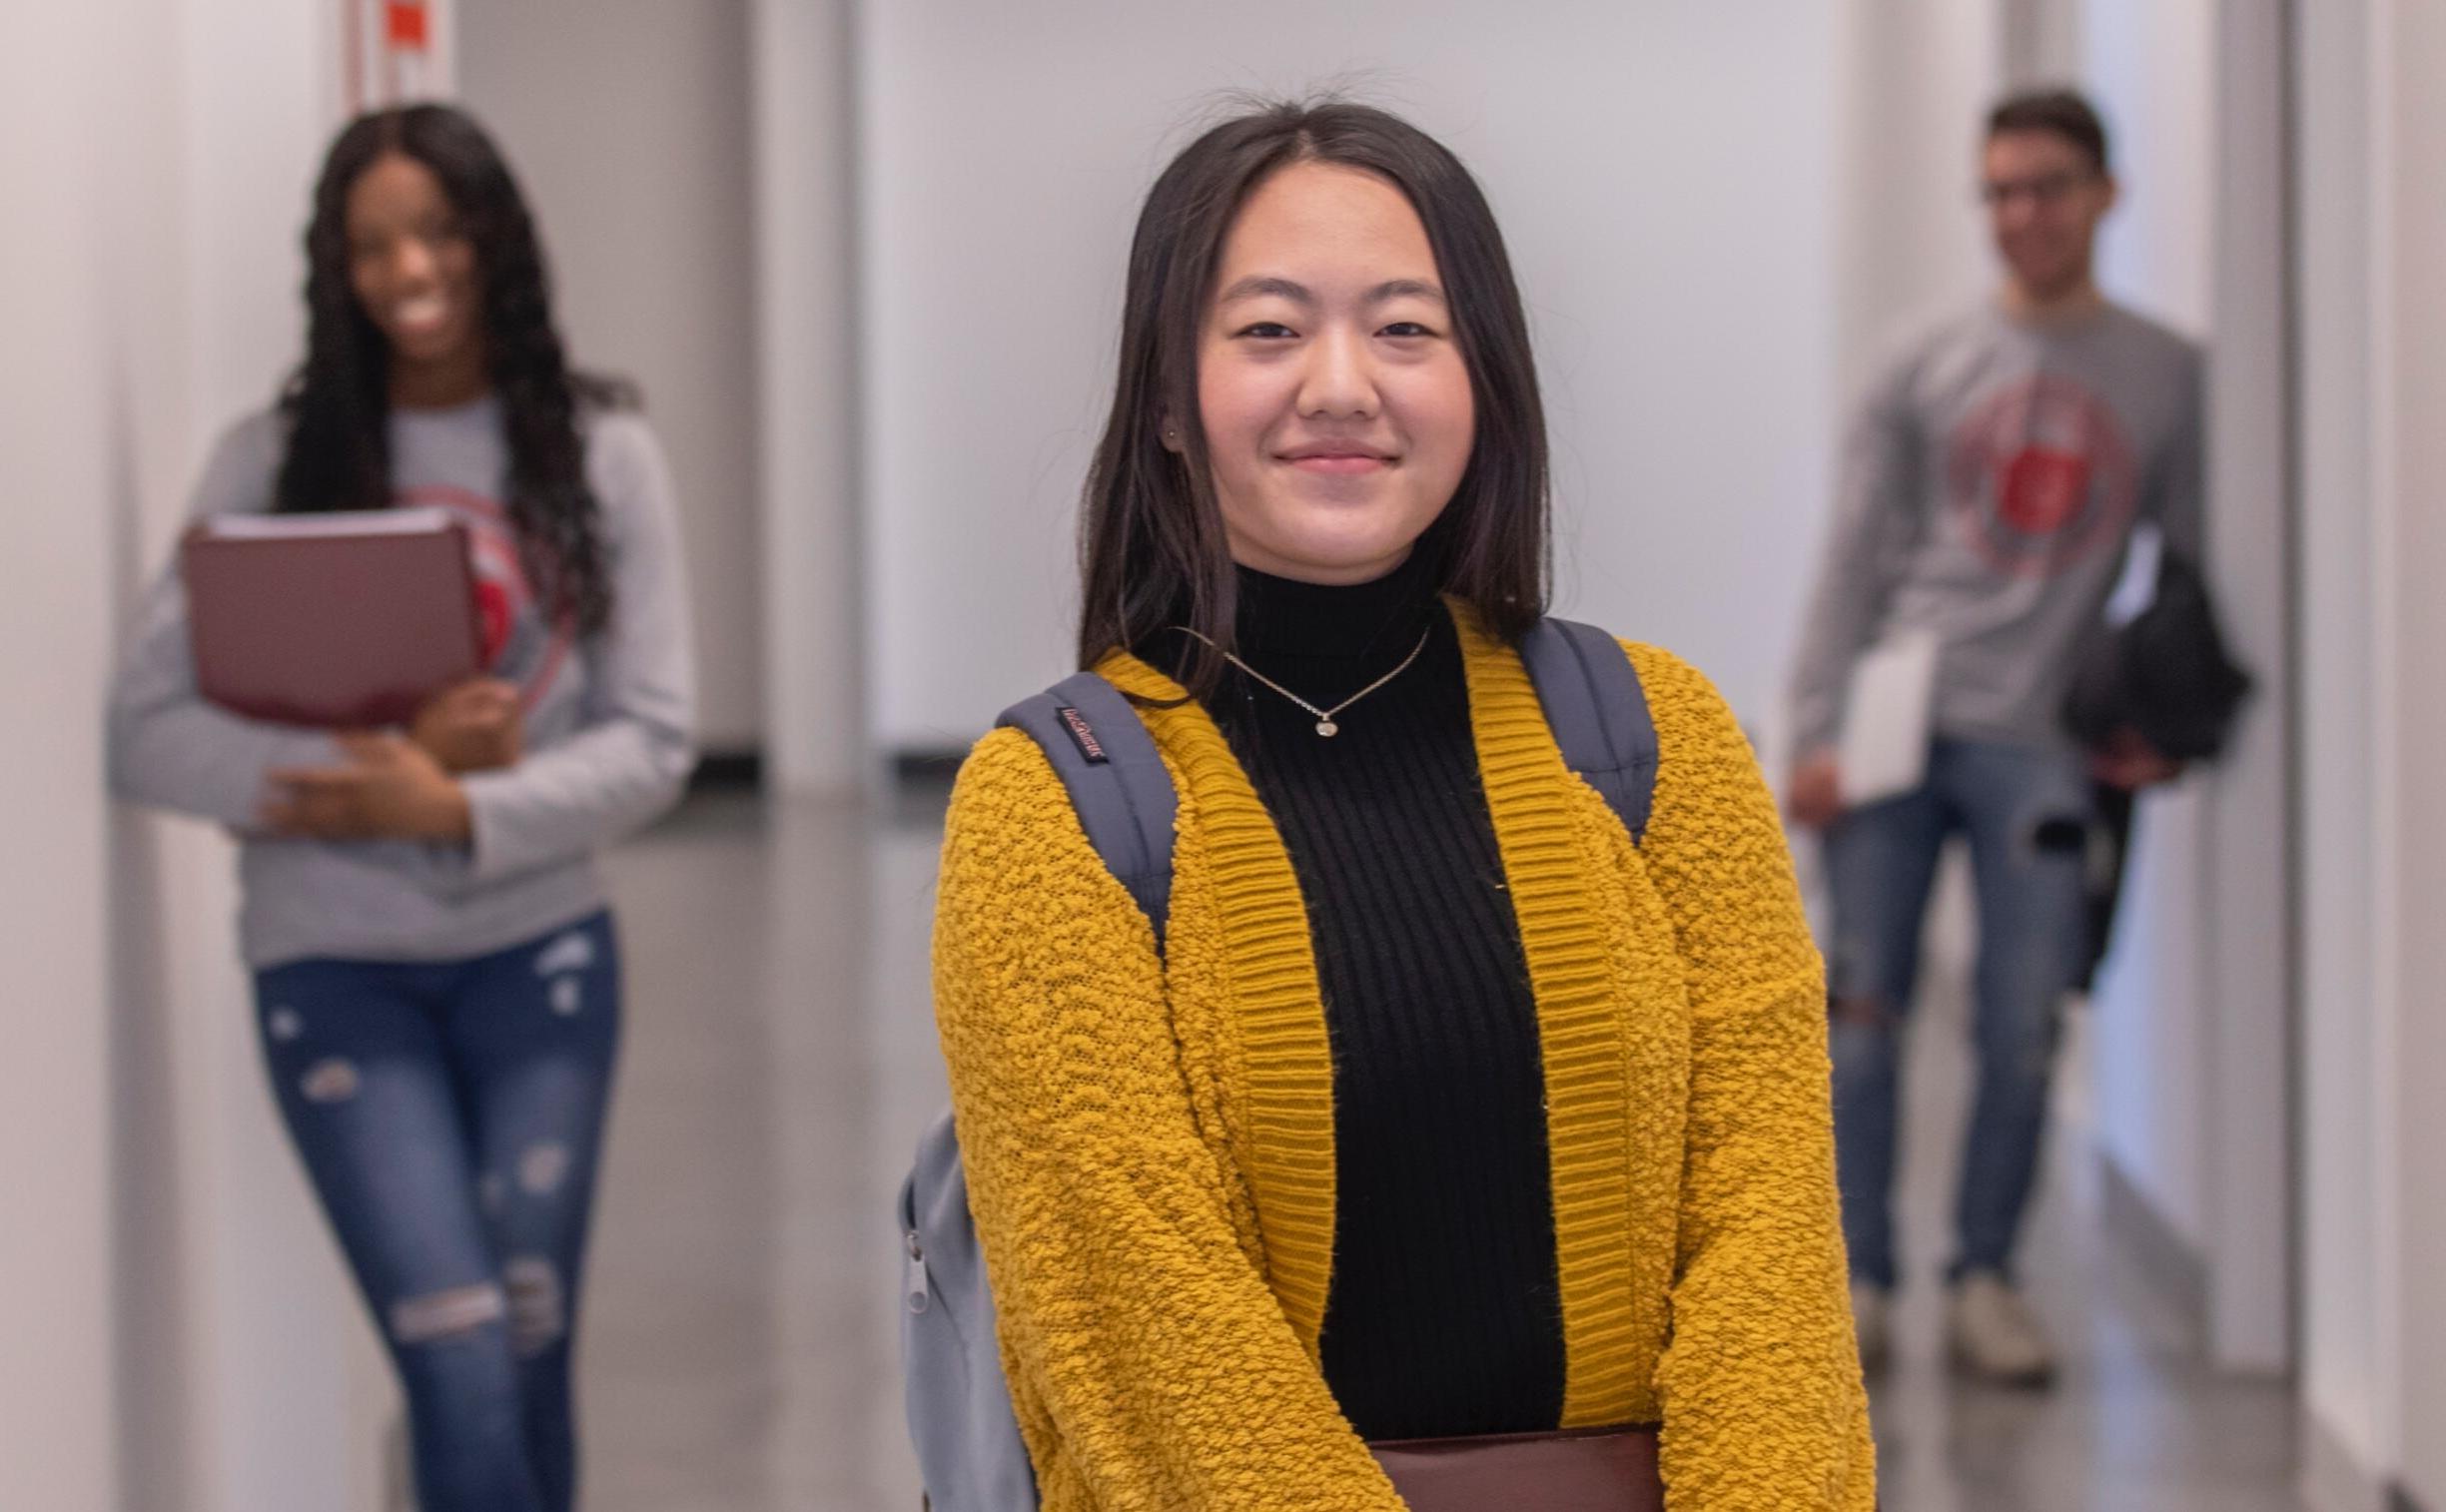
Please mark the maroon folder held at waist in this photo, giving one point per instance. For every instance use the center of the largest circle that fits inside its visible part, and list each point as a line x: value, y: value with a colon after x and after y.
x: 348, y: 620
x: 1579, y: 1470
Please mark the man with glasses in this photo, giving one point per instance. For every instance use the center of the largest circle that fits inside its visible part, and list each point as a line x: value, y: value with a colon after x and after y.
x: 1989, y: 485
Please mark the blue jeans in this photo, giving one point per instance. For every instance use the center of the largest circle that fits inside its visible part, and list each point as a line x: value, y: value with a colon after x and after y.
x: 2026, y: 814
x: 450, y: 1116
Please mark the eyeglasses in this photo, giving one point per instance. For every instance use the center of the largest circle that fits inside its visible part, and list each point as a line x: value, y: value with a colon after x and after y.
x: 2046, y: 189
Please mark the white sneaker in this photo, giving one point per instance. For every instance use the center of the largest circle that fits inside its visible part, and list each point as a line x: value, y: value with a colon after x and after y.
x: 1994, y: 1335
x: 1869, y: 1307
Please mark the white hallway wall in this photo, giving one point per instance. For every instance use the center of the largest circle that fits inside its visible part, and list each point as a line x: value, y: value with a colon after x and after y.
x: 1664, y: 175
x: 2410, y: 226
x: 2372, y: 144
x: 2346, y: 1313
x: 1912, y: 82
x: 57, y: 1424
x: 627, y: 121
x: 2149, y: 71
x: 275, y: 1342
x: 2190, y: 1052
x: 153, y: 284
x: 2154, y: 252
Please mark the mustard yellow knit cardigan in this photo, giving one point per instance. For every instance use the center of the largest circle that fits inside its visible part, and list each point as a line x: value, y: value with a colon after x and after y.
x: 1149, y: 1137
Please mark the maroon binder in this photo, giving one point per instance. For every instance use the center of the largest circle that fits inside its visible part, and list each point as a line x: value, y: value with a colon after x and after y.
x: 1579, y: 1470
x: 337, y: 621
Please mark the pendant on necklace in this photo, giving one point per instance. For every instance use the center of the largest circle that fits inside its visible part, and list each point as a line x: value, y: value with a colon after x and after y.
x: 1327, y: 728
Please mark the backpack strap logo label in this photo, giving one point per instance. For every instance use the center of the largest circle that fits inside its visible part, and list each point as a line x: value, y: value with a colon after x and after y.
x: 1083, y: 735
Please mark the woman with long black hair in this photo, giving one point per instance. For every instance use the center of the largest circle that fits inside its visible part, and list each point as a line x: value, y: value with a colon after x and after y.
x: 436, y: 976
x: 1443, y: 1103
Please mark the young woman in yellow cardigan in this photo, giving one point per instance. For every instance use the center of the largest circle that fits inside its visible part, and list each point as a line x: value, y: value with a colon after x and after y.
x: 1445, y: 1109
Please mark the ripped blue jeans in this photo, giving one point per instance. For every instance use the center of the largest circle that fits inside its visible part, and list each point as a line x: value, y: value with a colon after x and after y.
x: 2026, y: 813
x: 449, y: 1117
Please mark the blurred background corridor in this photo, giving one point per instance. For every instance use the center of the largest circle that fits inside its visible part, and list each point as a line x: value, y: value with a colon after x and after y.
x: 864, y: 259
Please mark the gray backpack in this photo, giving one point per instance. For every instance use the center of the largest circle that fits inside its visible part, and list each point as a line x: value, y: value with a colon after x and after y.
x: 968, y: 1440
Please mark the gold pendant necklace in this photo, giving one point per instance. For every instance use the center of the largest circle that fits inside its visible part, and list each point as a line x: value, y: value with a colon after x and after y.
x: 1326, y: 721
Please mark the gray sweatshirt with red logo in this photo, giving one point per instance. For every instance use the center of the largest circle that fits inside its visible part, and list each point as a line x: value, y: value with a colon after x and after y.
x: 609, y: 720
x: 1990, y: 484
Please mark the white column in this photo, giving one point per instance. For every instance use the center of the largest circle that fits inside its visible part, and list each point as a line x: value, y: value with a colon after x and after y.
x: 57, y: 1386
x: 2372, y: 147
x: 803, y: 134
x: 2409, y: 315
x: 2041, y: 42
x: 2342, y: 1302
x: 2194, y: 1051
x: 2246, y: 880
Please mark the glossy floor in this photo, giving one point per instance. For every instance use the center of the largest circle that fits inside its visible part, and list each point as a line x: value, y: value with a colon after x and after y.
x: 740, y: 1345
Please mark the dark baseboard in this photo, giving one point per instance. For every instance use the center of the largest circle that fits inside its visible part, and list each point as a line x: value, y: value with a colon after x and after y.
x: 728, y: 772
x: 2172, y: 1262
x: 927, y: 766
x: 922, y: 774
x: 921, y: 782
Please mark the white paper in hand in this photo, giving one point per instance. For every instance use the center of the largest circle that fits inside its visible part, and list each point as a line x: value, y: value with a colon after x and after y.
x: 1883, y: 751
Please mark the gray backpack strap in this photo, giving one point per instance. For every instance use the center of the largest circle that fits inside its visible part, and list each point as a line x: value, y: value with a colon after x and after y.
x: 1598, y: 713
x: 969, y: 1448
x: 1118, y: 785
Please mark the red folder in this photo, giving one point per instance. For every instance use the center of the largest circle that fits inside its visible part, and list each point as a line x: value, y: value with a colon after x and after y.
x: 337, y: 621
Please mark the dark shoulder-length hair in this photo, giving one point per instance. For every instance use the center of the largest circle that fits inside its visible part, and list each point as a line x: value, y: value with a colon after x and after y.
x: 338, y: 402
x: 1152, y: 541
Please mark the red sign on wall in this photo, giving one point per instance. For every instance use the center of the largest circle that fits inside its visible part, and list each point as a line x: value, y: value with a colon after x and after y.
x: 394, y: 52
x: 407, y: 26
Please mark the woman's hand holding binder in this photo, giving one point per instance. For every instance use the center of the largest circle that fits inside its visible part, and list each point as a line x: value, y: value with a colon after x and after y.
x: 389, y: 788
x: 474, y: 727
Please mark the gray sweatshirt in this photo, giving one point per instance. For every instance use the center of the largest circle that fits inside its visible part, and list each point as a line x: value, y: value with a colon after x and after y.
x: 609, y: 721
x: 1988, y: 487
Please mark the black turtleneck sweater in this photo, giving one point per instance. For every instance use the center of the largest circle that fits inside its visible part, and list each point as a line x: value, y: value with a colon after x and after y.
x: 1445, y: 1313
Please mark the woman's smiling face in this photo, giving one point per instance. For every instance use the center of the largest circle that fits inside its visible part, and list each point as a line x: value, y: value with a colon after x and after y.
x: 411, y: 264
x: 1336, y: 404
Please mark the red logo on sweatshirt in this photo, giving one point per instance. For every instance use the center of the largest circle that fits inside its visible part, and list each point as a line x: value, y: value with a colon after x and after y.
x: 2039, y: 478
x: 517, y: 645
x: 2043, y: 490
